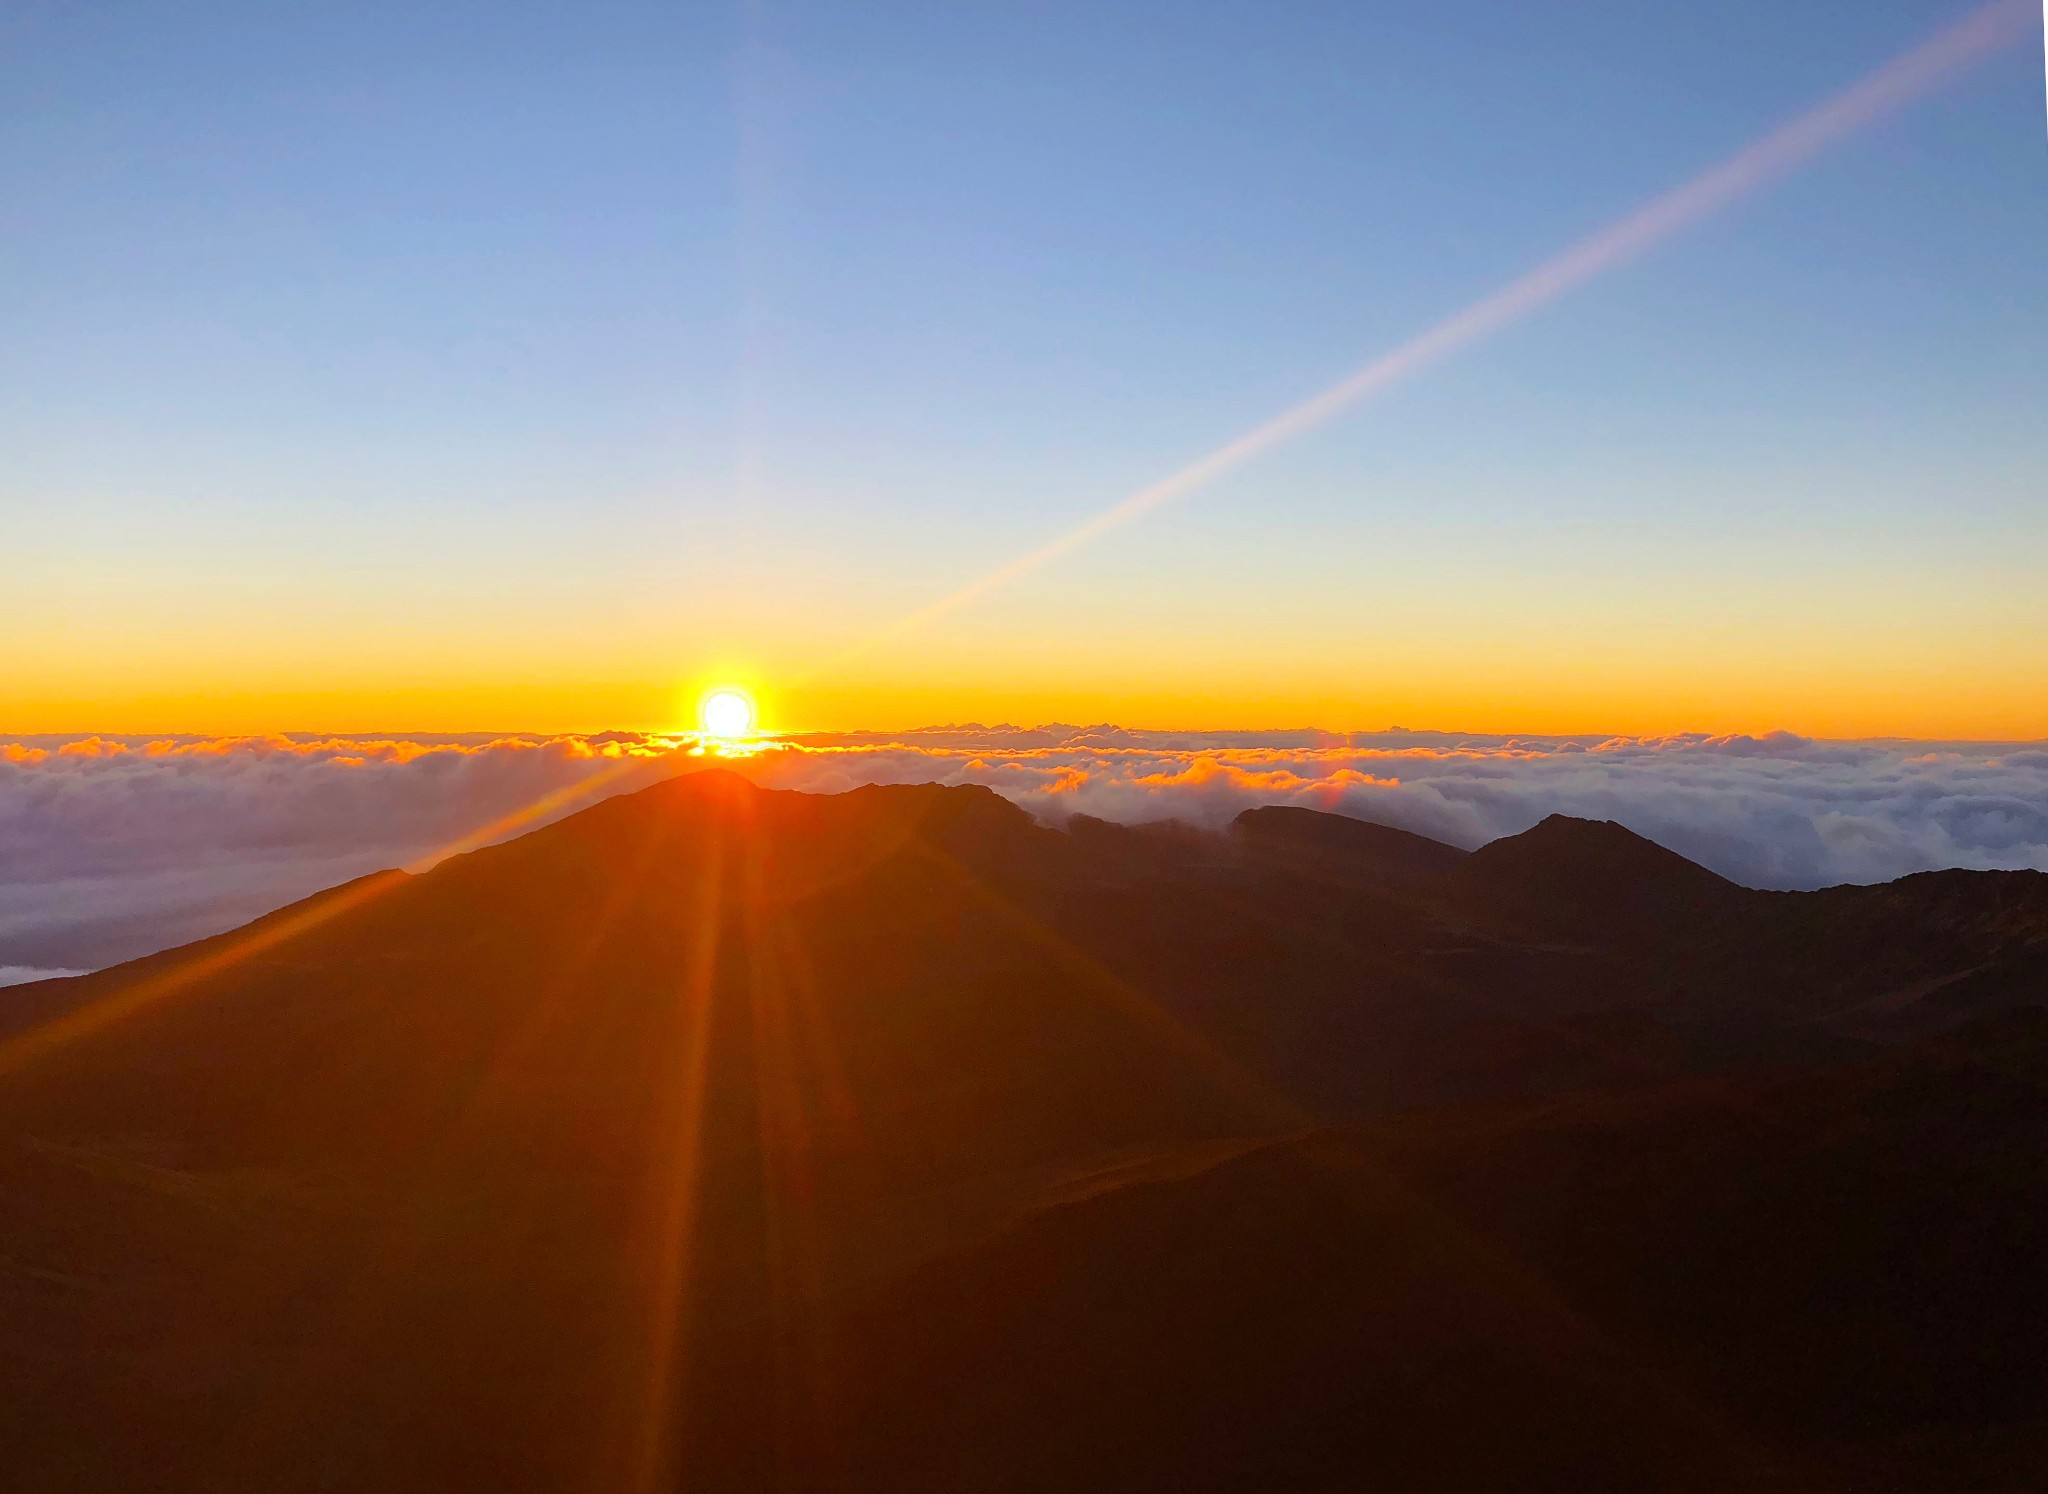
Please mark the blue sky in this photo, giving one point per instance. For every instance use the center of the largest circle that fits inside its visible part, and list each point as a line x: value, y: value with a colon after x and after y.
x: 724, y: 331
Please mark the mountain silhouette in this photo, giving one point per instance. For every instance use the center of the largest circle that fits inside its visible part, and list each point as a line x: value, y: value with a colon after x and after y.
x: 720, y: 1138
x: 1377, y: 853
x: 1594, y: 876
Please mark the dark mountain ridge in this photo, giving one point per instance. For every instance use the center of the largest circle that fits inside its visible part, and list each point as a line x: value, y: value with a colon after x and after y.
x: 723, y: 1138
x: 1356, y: 847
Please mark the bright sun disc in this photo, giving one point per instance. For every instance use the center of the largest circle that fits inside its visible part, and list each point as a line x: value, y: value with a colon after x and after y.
x: 727, y: 715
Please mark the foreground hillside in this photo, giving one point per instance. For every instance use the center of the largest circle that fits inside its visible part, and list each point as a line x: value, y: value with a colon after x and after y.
x: 719, y: 1138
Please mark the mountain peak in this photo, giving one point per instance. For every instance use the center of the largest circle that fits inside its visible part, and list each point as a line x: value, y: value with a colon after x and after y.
x: 1604, y: 842
x: 1588, y: 874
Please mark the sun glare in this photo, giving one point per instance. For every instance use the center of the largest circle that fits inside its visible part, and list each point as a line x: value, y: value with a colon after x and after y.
x: 726, y: 715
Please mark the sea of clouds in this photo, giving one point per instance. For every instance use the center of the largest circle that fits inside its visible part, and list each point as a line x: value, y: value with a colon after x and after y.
x: 111, y: 848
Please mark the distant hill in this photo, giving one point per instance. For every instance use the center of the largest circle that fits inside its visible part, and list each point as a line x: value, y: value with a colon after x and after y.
x: 1376, y: 853
x: 723, y: 1138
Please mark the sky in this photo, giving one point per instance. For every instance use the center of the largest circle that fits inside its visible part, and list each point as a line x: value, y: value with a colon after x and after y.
x: 509, y: 367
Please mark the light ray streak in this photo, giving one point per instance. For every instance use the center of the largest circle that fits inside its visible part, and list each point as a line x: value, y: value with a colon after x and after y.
x: 1897, y: 83
x: 265, y: 934
x: 670, y: 1247
x: 791, y: 1237
x: 530, y: 813
x: 276, y: 929
x: 399, y: 1249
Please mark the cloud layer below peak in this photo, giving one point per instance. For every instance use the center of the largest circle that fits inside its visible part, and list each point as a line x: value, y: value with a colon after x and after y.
x: 115, y: 847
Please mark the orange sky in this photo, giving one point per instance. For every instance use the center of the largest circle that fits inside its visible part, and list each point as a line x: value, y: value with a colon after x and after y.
x: 1538, y: 685
x: 1157, y: 626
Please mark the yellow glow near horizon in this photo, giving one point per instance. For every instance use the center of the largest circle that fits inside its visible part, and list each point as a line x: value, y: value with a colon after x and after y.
x: 727, y: 715
x: 1710, y: 664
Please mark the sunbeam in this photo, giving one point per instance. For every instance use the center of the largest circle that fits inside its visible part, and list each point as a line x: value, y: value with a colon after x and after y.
x: 280, y: 928
x: 664, y: 1254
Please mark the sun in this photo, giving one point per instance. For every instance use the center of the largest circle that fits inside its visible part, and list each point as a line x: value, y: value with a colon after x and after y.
x: 727, y: 715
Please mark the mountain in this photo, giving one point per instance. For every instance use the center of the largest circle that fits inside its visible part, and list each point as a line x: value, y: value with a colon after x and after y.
x: 1772, y: 1283
x: 718, y: 1138
x: 1595, y: 877
x: 1374, y: 854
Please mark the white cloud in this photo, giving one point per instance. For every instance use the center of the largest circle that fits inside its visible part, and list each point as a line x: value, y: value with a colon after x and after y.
x: 115, y: 848
x: 21, y: 975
